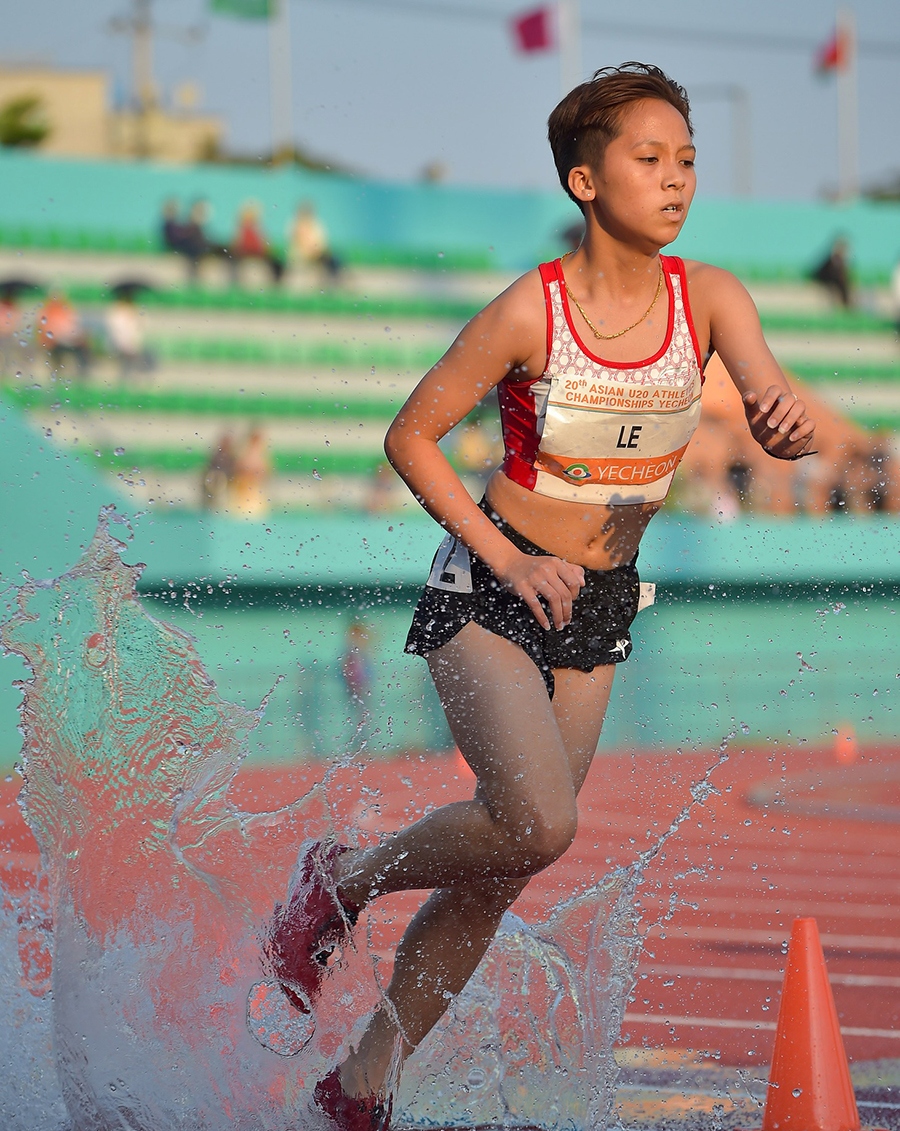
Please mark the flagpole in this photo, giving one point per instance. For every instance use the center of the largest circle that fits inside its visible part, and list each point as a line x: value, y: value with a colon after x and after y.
x: 742, y: 140
x: 281, y: 92
x: 847, y: 106
x: 568, y: 22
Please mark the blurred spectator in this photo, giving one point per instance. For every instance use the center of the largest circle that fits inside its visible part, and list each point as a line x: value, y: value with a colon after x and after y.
x: 308, y: 243
x: 381, y: 490
x: 193, y: 242
x: 125, y: 336
x: 252, y: 472
x: 60, y: 331
x: 10, y: 328
x: 477, y: 450
x: 250, y: 243
x: 716, y: 479
x: 833, y: 273
x: 218, y: 474
x: 171, y: 229
x: 895, y: 295
x: 356, y: 663
x: 869, y: 485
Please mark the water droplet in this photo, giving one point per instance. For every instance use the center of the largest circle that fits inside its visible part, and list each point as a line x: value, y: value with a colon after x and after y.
x: 797, y: 1092
x: 476, y: 1077
x: 316, y: 475
x: 120, y: 451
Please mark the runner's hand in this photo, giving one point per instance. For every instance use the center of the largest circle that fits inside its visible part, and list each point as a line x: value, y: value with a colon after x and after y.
x: 778, y: 422
x: 546, y: 578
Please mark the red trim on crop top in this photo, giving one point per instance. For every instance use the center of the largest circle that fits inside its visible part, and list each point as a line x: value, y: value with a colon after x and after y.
x: 689, y: 317
x: 553, y: 273
x: 521, y: 439
x: 667, y: 340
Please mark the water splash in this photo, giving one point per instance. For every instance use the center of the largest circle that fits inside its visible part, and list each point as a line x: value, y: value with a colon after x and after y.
x: 529, y: 1042
x: 131, y: 967
x: 129, y: 752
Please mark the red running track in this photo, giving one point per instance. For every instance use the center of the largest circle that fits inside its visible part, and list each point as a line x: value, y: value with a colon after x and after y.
x: 788, y: 833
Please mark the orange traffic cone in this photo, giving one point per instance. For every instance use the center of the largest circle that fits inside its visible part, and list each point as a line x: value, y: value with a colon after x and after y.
x: 809, y: 1085
x: 846, y: 750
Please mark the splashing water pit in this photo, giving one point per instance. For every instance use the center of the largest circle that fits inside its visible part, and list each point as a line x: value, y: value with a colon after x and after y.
x: 136, y: 895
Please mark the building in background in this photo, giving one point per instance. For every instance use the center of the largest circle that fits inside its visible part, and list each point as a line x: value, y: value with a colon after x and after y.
x: 69, y: 114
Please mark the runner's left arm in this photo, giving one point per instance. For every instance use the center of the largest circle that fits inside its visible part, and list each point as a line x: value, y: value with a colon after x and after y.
x: 775, y: 415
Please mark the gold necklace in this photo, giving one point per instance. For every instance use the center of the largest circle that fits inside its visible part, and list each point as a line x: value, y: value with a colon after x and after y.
x: 593, y: 328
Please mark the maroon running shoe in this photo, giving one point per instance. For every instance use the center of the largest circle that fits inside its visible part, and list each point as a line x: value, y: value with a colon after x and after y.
x: 351, y: 1113
x: 305, y: 930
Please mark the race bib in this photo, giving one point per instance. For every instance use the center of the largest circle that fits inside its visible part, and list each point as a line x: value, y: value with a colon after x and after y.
x: 614, y: 442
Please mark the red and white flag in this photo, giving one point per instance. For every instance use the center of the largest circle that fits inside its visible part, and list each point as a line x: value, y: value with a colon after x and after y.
x: 533, y: 31
x: 835, y: 54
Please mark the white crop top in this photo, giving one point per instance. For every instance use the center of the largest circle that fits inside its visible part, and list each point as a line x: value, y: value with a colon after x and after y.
x: 594, y: 431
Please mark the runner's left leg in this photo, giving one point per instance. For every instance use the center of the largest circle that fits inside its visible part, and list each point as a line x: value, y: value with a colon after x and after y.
x: 448, y: 936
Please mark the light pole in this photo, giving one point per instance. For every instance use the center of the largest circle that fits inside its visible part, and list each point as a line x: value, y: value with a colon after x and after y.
x: 738, y: 99
x: 847, y: 106
x: 568, y: 23
x: 281, y: 88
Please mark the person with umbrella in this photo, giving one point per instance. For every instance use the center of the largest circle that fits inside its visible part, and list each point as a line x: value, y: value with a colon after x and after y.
x: 12, y: 323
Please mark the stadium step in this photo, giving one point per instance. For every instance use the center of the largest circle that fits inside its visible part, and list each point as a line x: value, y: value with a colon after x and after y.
x: 83, y: 398
x: 324, y: 371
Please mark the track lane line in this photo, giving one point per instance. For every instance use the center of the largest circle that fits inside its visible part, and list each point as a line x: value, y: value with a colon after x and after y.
x: 740, y: 974
x: 771, y: 938
x: 753, y: 1026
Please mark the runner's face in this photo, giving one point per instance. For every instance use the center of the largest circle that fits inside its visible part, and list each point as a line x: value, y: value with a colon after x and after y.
x: 646, y: 181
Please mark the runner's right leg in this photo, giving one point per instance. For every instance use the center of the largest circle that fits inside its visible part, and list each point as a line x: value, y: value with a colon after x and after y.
x: 518, y: 743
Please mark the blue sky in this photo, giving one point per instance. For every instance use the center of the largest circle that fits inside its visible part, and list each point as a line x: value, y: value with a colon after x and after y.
x: 388, y: 86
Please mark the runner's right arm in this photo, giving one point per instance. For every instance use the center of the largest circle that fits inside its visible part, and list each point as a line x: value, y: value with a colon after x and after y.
x: 508, y: 335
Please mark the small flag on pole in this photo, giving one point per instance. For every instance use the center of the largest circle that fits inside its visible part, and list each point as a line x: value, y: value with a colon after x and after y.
x: 835, y: 54
x: 245, y: 9
x: 533, y: 31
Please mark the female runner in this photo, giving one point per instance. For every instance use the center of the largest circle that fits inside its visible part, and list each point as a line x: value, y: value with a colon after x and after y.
x: 598, y: 363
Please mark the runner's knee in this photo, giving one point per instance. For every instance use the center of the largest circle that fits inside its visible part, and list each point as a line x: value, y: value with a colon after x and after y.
x: 544, y: 836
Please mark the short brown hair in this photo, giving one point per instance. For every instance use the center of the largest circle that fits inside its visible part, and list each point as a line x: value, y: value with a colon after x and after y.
x: 590, y: 116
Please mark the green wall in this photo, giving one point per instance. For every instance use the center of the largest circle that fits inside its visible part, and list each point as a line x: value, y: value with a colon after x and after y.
x: 764, y: 666
x: 511, y: 229
x: 273, y: 600
x: 292, y: 647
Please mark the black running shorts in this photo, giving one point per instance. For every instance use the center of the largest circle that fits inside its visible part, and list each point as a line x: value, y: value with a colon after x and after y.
x: 461, y: 588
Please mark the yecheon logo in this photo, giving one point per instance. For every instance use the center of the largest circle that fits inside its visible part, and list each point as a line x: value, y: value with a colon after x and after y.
x: 578, y: 471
